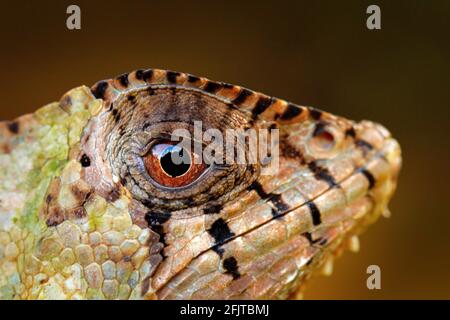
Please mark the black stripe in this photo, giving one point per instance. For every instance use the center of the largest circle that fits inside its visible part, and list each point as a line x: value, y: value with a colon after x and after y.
x: 350, y: 132
x: 100, y: 89
x: 289, y: 151
x: 319, y: 128
x: 212, y: 87
x: 155, y: 222
x: 192, y: 78
x: 147, y: 75
x: 276, y: 199
x: 172, y: 76
x: 315, y: 114
x: 276, y: 214
x: 291, y: 112
x: 213, y: 209
x: 364, y: 144
x: 117, y: 118
x: 123, y: 79
x: 231, y: 267
x: 315, y: 213
x: 219, y: 250
x: 154, y: 219
x: 139, y: 74
x: 259, y: 190
x: 116, y: 115
x: 308, y: 236
x: 321, y: 173
x: 280, y: 205
x: 220, y: 231
x: 369, y: 176
x: 242, y: 96
x: 261, y: 106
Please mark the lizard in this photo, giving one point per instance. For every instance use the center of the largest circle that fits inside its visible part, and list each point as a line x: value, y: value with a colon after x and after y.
x: 88, y: 210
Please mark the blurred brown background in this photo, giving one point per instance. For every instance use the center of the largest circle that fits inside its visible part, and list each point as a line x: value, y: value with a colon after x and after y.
x: 316, y: 53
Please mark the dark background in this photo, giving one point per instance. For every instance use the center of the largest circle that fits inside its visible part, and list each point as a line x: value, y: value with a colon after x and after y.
x: 316, y: 53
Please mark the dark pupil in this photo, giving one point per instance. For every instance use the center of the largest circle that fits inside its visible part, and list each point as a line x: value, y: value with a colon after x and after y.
x: 174, y: 161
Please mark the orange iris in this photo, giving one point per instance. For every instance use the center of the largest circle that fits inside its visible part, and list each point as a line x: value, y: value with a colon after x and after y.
x: 172, y: 166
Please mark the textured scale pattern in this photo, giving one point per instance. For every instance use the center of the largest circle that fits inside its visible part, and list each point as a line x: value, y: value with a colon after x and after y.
x: 79, y: 218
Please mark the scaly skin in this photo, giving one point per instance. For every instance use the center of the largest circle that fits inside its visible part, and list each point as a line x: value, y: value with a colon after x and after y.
x: 79, y: 219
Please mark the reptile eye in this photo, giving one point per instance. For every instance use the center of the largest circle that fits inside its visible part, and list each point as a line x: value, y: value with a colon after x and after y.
x: 172, y: 166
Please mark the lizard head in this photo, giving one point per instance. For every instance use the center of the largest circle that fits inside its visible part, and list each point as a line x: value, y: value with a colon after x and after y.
x: 178, y: 187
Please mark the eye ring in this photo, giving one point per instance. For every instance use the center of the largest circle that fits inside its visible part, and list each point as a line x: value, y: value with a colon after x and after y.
x: 172, y: 166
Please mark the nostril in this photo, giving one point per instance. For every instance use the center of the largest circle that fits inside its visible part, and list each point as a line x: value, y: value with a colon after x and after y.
x: 322, y: 141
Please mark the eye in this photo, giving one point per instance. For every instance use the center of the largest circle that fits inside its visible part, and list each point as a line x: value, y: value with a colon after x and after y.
x: 141, y: 156
x: 172, y: 166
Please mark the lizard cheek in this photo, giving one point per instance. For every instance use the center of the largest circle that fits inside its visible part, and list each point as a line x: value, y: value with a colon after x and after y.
x: 172, y: 166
